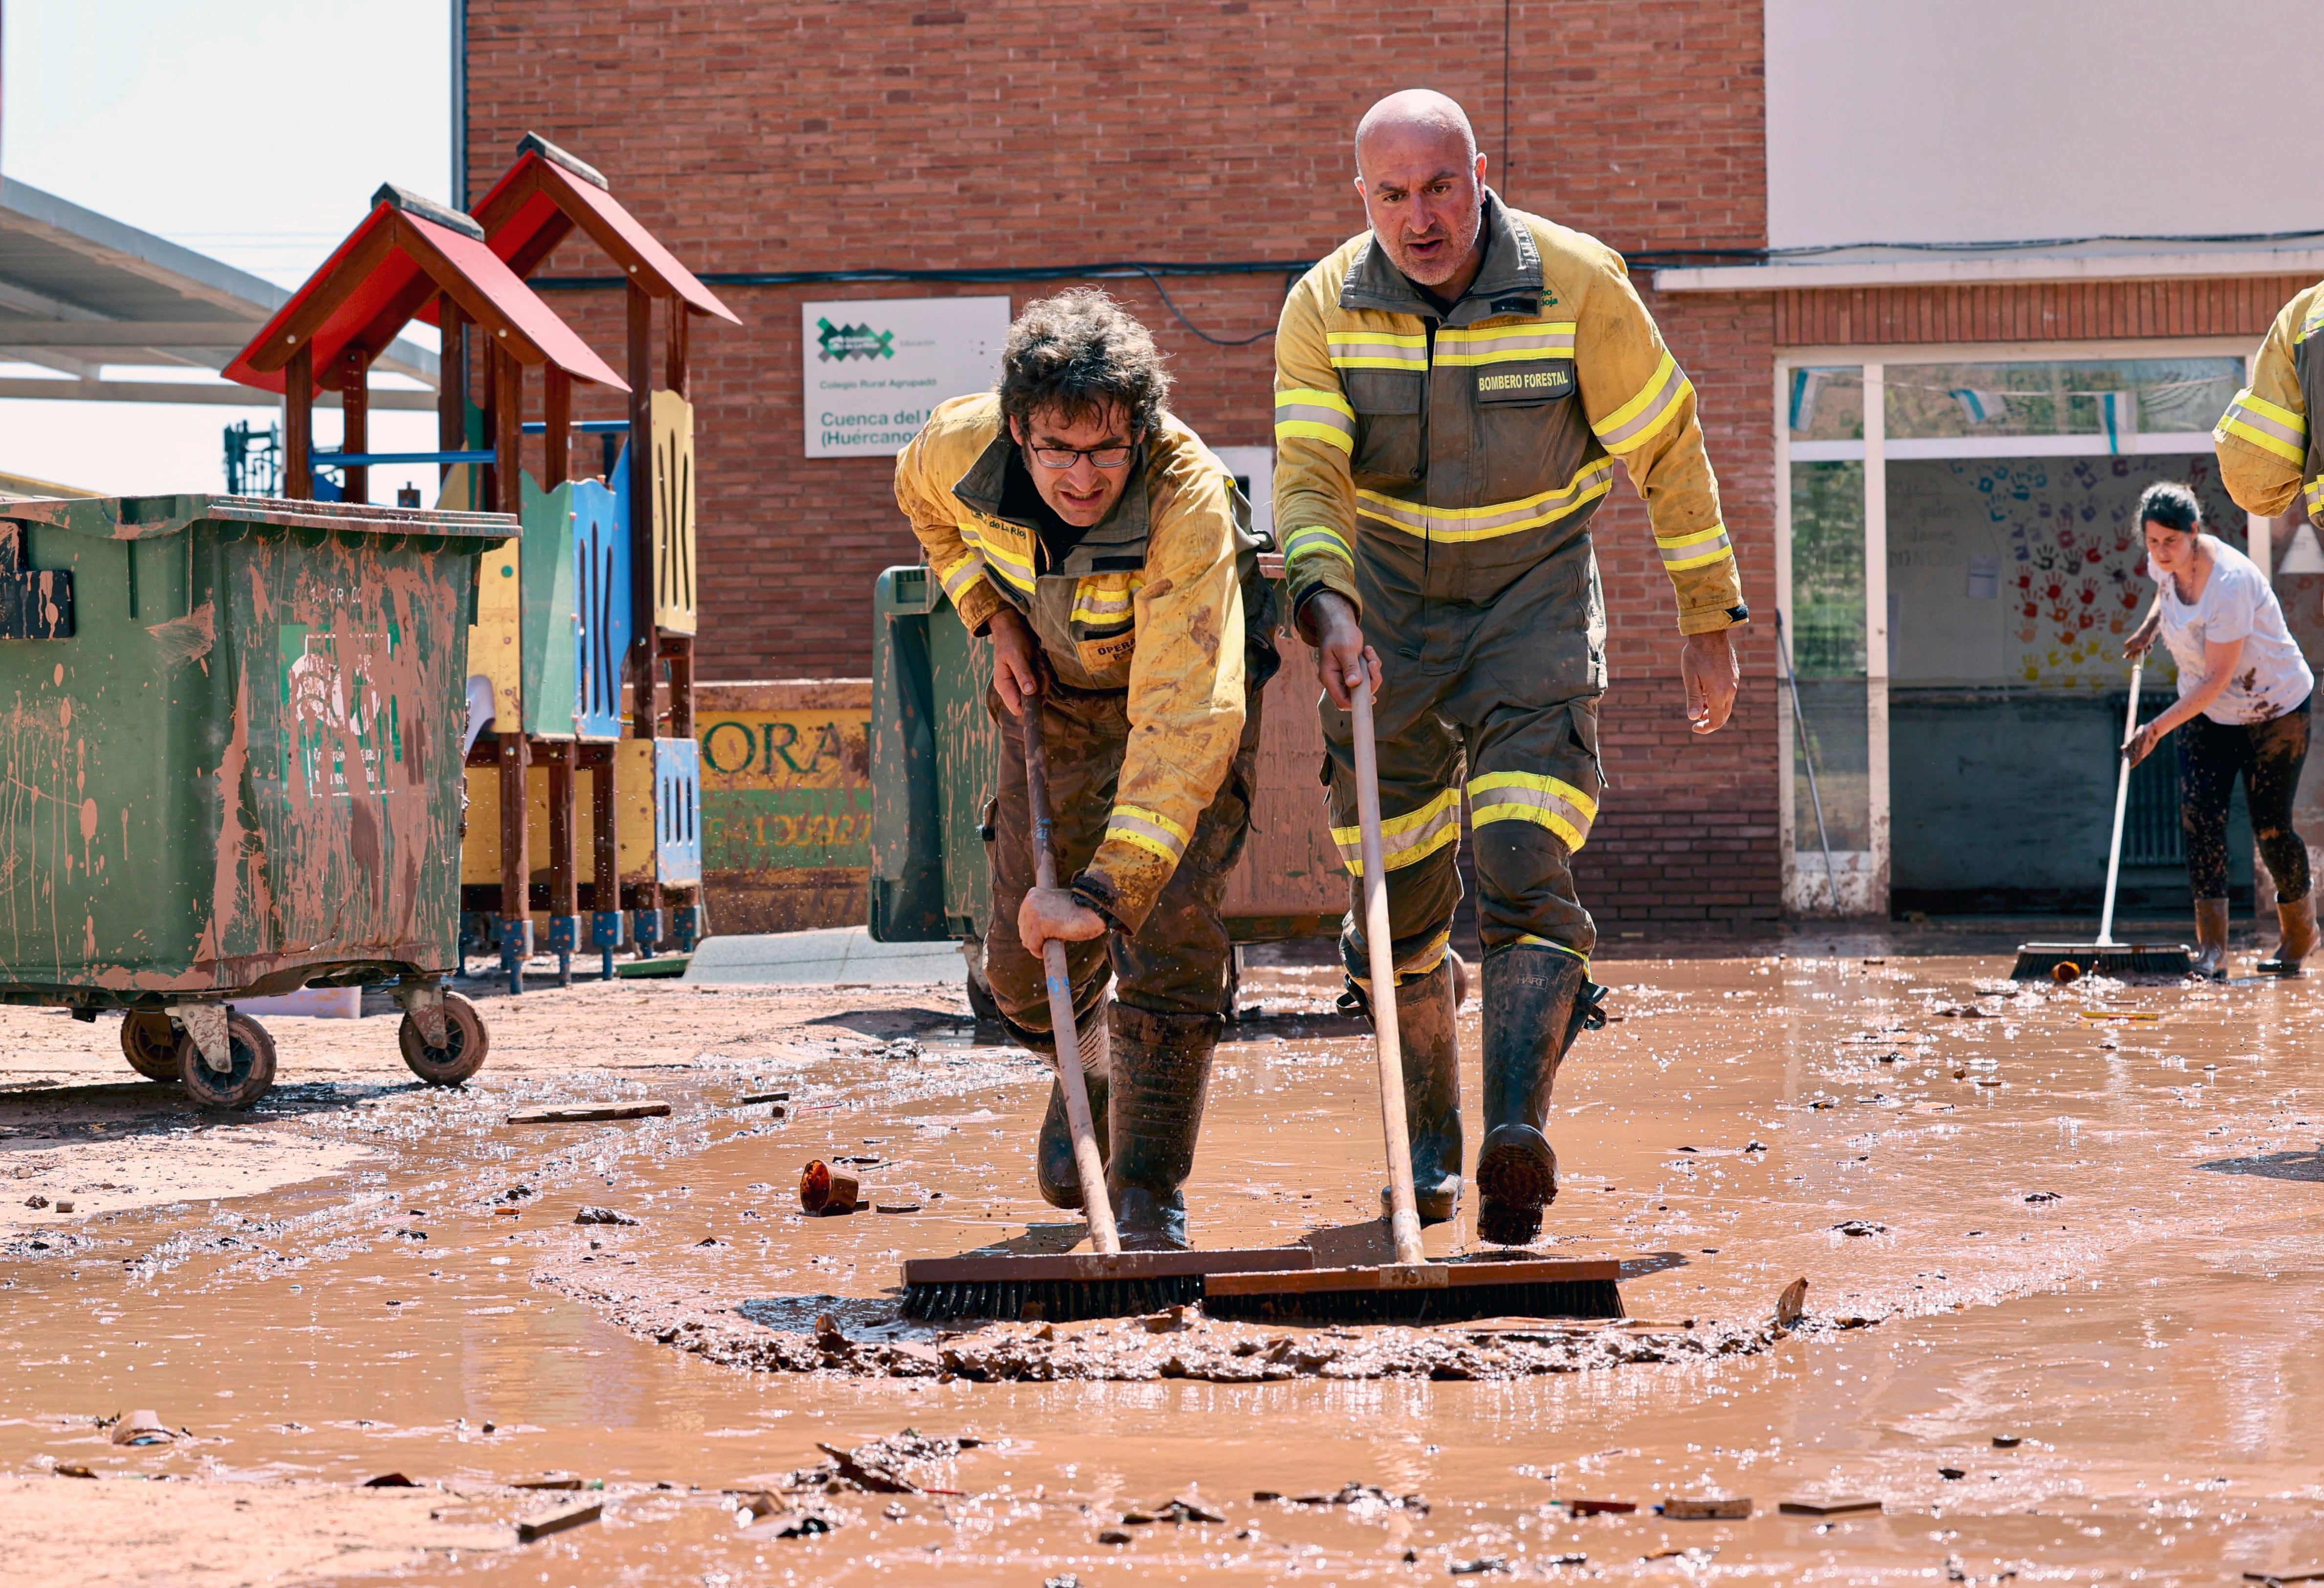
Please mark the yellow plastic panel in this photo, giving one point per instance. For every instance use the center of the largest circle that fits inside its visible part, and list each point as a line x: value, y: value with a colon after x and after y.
x: 675, y: 603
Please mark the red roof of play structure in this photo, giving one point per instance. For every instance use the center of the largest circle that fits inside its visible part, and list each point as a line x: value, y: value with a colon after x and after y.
x: 548, y: 192
x: 388, y: 271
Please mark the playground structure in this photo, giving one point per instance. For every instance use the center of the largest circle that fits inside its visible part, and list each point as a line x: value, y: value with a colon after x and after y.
x: 557, y: 646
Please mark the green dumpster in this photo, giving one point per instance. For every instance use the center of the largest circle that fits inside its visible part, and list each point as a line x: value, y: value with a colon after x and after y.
x: 234, y: 745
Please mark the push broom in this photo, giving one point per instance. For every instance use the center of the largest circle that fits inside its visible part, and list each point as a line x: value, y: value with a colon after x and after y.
x: 2067, y: 962
x: 1411, y: 1289
x: 1104, y: 1281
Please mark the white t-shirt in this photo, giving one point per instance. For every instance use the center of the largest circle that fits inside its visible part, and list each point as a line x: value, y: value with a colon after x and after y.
x: 2235, y: 605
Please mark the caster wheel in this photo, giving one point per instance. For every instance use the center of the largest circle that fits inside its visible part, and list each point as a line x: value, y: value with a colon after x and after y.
x: 149, y: 1045
x: 251, y: 1051
x: 465, y: 1043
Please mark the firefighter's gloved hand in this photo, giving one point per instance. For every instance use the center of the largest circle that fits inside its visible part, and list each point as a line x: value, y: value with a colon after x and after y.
x: 1055, y: 912
x: 1707, y: 667
x: 1341, y: 657
x: 1015, y: 653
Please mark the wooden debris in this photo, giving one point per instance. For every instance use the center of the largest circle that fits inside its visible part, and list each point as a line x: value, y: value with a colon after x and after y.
x: 556, y: 1522
x: 579, y: 1116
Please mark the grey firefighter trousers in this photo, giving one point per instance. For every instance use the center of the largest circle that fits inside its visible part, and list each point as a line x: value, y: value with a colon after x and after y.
x: 1178, y: 962
x: 1497, y: 699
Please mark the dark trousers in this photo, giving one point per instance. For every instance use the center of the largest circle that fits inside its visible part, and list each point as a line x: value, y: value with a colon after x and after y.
x: 1178, y: 962
x: 2267, y: 756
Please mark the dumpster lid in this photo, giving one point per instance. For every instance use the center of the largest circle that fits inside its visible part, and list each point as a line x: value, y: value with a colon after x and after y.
x: 548, y: 192
x: 141, y: 518
x: 390, y: 267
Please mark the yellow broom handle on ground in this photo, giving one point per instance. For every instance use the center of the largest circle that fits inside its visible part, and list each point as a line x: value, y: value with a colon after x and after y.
x: 1404, y: 1211
x: 1097, y: 1207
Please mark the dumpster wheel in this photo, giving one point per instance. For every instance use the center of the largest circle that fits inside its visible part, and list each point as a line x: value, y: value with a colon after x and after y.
x: 251, y: 1051
x: 150, y: 1044
x: 465, y: 1043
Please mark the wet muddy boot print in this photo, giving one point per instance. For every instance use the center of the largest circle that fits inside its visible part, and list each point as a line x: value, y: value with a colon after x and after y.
x: 1533, y: 997
x: 1424, y: 1012
x: 2211, y: 939
x: 1053, y: 1158
x: 1161, y: 1071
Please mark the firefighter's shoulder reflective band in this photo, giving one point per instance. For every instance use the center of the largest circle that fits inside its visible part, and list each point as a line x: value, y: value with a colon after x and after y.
x: 1404, y: 839
x: 1635, y: 424
x: 1565, y: 810
x: 1107, y: 600
x: 1149, y: 830
x: 1494, y: 518
x: 1378, y: 349
x: 1696, y: 548
x: 960, y: 575
x: 1316, y: 539
x: 1316, y: 415
x: 1503, y: 343
x: 2265, y: 426
x: 2313, y: 323
x: 1014, y: 566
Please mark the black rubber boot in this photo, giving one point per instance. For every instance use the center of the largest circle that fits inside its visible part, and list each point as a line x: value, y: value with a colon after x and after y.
x: 1535, y: 1001
x: 1161, y: 1070
x: 1425, y: 1009
x: 1052, y: 1160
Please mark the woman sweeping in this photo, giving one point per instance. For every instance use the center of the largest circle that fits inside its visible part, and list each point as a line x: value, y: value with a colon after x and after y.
x: 2241, y: 711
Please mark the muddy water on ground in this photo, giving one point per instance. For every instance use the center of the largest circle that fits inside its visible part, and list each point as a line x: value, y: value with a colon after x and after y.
x: 2096, y: 1236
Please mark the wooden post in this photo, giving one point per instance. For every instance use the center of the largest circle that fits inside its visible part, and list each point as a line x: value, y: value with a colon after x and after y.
x: 645, y: 702
x: 564, y: 870
x: 677, y: 650
x: 452, y: 388
x: 355, y: 407
x: 674, y: 351
x: 557, y: 427
x: 298, y: 426
x: 604, y: 836
x: 516, y: 860
x: 508, y: 431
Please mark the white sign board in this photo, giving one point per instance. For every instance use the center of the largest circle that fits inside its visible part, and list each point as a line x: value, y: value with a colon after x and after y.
x: 876, y: 366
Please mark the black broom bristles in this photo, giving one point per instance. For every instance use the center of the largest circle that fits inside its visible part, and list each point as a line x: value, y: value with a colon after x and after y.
x: 1057, y: 1301
x: 1071, y: 1301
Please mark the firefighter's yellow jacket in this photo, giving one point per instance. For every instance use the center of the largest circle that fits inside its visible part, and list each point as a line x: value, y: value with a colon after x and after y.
x: 2269, y: 452
x: 1151, y: 600
x: 1459, y: 451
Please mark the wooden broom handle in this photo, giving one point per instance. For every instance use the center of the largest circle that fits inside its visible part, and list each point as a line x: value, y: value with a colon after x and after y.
x: 1404, y: 1210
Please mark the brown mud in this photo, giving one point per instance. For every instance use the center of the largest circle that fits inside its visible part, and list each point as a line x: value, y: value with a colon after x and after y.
x: 2023, y: 1216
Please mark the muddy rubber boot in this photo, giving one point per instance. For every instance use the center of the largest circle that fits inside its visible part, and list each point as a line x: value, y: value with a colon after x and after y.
x: 1053, y: 1158
x: 1161, y: 1070
x: 2211, y: 939
x: 1425, y: 1009
x: 1536, y: 1000
x: 2299, y: 922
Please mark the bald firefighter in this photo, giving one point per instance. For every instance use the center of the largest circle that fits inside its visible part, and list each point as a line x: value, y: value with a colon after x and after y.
x: 1106, y: 554
x: 1453, y: 390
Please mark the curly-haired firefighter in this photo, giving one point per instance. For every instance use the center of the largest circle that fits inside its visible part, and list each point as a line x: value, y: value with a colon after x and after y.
x: 1453, y: 390
x: 1108, y: 555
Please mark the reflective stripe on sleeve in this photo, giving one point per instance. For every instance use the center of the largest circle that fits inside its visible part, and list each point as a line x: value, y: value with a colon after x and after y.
x: 1315, y: 540
x: 1505, y: 344
x: 2314, y: 496
x: 1634, y: 424
x: 1319, y: 416
x: 960, y: 575
x: 1151, y: 830
x: 999, y: 559
x: 1378, y: 350
x: 2265, y: 426
x: 1444, y: 524
x: 1699, y: 549
x: 1565, y: 810
x: 1404, y: 839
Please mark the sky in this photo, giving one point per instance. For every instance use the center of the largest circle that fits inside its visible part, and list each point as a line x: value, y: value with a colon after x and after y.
x: 253, y: 131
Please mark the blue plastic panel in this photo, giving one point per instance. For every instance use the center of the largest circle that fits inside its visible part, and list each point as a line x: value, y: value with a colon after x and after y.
x: 601, y: 604
x: 677, y: 811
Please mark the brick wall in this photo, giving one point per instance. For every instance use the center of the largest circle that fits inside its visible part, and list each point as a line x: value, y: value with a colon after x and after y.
x: 954, y: 133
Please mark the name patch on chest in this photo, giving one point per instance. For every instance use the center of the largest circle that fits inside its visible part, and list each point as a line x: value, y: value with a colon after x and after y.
x: 1525, y: 382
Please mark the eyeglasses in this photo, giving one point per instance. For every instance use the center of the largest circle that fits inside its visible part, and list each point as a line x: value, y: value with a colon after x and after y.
x: 1065, y: 458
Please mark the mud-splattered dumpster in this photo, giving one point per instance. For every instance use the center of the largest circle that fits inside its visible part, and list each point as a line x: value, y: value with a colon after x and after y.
x: 233, y: 752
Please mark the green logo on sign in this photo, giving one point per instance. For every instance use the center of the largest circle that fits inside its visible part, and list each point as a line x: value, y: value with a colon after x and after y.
x: 852, y: 342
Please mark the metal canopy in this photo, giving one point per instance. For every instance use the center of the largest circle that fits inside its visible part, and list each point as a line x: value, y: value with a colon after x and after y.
x: 79, y: 290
